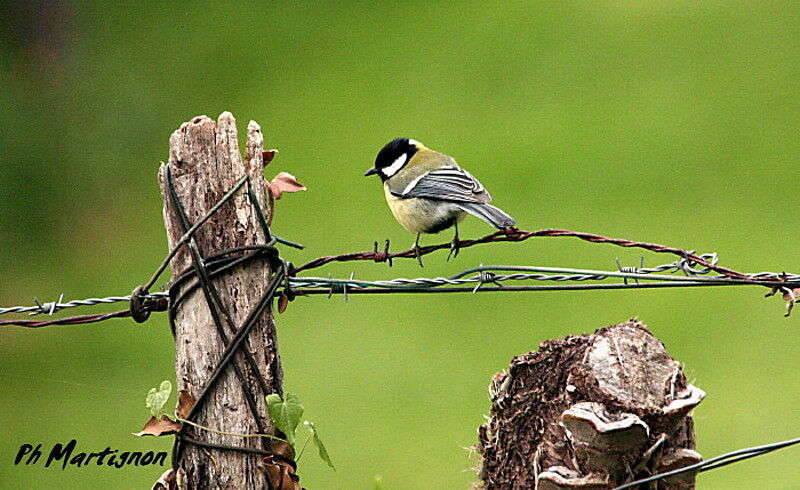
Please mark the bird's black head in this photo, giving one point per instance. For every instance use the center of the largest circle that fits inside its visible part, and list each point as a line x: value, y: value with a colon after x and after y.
x: 394, y: 156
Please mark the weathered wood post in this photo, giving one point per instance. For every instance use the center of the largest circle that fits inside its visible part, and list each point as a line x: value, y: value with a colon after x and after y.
x: 590, y: 412
x: 205, y: 163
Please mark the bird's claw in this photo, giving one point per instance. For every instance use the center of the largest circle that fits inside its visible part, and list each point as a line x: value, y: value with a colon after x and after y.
x: 454, y: 249
x: 418, y: 253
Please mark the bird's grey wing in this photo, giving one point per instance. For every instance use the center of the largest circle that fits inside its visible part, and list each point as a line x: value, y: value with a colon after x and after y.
x: 446, y: 184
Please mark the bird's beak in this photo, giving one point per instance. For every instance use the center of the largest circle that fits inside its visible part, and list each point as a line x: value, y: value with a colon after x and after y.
x: 371, y: 171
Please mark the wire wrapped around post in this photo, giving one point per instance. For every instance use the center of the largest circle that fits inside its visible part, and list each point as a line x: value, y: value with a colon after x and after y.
x: 225, y: 274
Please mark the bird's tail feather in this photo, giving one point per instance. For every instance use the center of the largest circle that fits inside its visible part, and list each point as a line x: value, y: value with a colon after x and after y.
x: 488, y: 213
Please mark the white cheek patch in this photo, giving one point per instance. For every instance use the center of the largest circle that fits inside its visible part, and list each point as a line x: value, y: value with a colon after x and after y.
x: 395, y: 166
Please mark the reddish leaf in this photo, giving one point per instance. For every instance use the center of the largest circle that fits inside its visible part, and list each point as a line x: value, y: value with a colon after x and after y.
x: 267, y: 156
x: 159, y: 427
x: 166, y: 481
x: 283, y: 302
x: 185, y: 403
x: 282, y: 448
x: 285, y: 182
x: 281, y: 475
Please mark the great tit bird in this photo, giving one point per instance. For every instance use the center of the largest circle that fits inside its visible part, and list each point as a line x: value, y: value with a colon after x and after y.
x: 428, y: 192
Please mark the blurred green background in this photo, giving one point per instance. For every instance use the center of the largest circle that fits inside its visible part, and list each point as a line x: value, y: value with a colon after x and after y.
x: 671, y: 122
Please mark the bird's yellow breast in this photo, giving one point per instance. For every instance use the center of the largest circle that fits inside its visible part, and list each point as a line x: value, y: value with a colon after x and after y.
x: 423, y: 215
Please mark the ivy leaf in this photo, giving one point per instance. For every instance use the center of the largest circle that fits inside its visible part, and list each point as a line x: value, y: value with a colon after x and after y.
x: 160, y: 398
x: 149, y: 400
x: 285, y: 414
x: 156, y: 398
x: 323, y: 453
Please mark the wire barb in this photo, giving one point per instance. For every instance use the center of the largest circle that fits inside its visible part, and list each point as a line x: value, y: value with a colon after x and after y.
x: 47, y: 308
x: 382, y: 256
x: 485, y: 277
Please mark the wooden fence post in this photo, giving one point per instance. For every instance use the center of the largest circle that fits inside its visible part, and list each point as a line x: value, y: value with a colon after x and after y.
x: 590, y: 412
x: 205, y: 163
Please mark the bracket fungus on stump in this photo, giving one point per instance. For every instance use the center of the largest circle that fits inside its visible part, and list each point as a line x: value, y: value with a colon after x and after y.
x: 590, y: 412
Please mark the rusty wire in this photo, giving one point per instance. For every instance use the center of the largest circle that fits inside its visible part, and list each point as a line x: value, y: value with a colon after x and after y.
x: 70, y: 320
x: 517, y: 235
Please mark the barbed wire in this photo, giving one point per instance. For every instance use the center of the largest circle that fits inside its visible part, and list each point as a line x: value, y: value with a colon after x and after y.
x: 489, y: 274
x: 482, y: 278
x: 516, y: 235
x: 56, y: 306
x: 716, y: 462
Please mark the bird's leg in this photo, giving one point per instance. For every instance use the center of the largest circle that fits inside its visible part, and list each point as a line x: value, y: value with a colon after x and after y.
x: 417, y: 251
x: 454, y: 246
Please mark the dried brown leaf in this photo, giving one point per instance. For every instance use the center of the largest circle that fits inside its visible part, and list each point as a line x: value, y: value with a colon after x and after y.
x: 791, y: 295
x: 268, y: 155
x: 285, y: 182
x: 283, y: 449
x: 166, y: 481
x: 185, y: 404
x: 283, y: 302
x: 281, y: 475
x: 159, y: 427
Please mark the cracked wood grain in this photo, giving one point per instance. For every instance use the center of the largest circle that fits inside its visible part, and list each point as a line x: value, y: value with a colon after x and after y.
x: 205, y: 163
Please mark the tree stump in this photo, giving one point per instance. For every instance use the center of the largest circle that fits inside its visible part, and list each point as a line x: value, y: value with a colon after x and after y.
x: 205, y: 163
x: 590, y: 412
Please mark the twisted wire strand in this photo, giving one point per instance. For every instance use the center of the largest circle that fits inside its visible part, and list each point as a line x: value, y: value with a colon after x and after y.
x: 482, y: 275
x: 53, y: 307
x: 486, y: 274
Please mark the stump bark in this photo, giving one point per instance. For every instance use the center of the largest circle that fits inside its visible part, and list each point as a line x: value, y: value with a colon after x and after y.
x: 590, y: 412
x: 205, y: 163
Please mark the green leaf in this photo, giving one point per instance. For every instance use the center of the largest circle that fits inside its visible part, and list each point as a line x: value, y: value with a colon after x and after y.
x: 285, y: 414
x: 323, y: 453
x: 157, y: 398
x: 149, y: 400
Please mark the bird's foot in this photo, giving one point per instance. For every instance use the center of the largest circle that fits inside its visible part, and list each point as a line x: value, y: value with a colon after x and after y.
x: 418, y: 253
x: 455, y: 247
